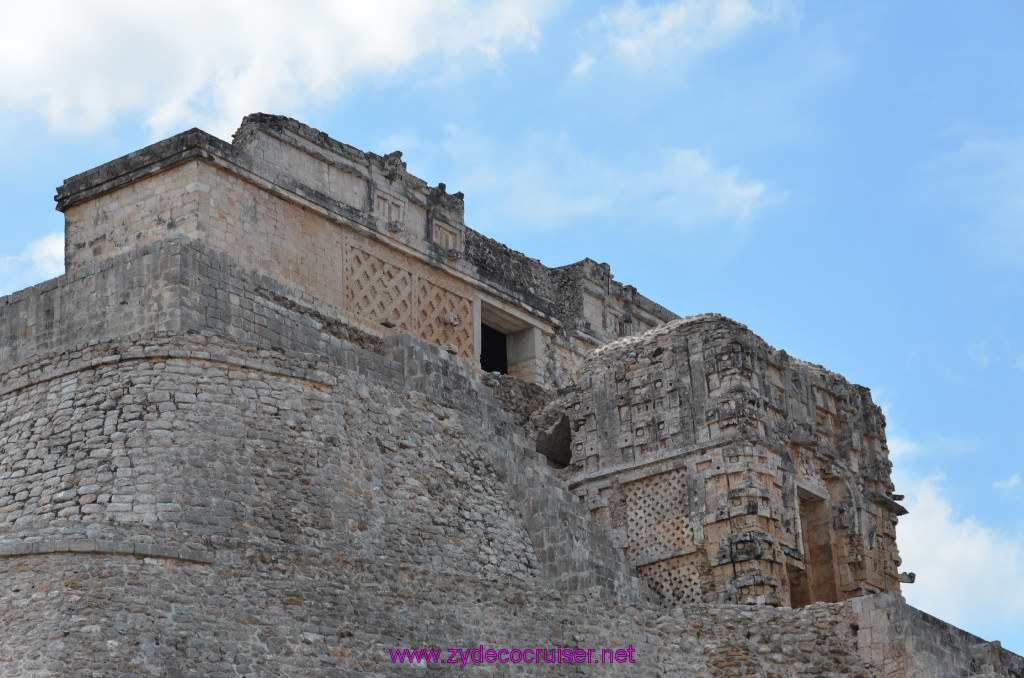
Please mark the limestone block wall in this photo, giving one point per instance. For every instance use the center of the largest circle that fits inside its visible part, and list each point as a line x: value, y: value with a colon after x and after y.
x: 728, y: 471
x: 248, y: 511
x: 90, y: 435
x: 338, y: 268
x: 242, y: 485
x: 136, y: 291
x: 212, y: 453
x: 171, y: 285
x: 352, y: 234
x: 270, y: 514
x: 134, y: 207
x: 897, y: 639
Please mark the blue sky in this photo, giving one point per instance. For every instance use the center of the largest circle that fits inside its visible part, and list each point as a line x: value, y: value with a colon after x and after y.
x: 847, y: 179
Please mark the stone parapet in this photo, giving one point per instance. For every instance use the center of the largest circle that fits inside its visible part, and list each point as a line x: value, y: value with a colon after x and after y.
x: 895, y: 639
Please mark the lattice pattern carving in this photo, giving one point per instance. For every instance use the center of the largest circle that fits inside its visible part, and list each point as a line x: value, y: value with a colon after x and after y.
x: 677, y: 579
x: 435, y: 303
x: 378, y: 289
x: 657, y: 515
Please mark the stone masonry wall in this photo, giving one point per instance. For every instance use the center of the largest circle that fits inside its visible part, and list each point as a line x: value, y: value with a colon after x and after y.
x: 896, y: 639
x: 193, y: 506
x: 246, y: 491
x: 135, y: 214
x: 730, y: 472
x: 339, y: 269
x: 350, y: 233
x: 136, y: 291
x: 187, y: 505
x: 99, y: 395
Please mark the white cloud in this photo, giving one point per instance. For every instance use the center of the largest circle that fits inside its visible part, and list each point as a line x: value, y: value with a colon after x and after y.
x: 676, y: 32
x: 41, y: 259
x: 544, y: 181
x: 901, y: 447
x: 83, y: 64
x: 583, y: 65
x: 1012, y: 481
x: 968, y: 573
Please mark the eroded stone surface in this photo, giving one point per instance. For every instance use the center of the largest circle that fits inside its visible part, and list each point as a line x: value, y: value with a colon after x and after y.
x: 730, y: 472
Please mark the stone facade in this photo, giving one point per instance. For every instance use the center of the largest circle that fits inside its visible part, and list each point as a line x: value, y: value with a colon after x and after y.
x: 248, y: 433
x: 730, y: 472
x: 357, y: 237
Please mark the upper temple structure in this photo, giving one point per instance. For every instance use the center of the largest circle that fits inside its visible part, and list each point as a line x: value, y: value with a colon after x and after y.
x: 370, y: 243
x: 730, y: 472
x: 286, y: 414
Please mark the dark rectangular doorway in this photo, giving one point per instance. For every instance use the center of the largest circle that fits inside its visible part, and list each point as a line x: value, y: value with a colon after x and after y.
x: 493, y: 350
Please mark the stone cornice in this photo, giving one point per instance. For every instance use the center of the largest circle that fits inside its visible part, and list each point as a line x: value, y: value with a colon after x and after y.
x: 194, y: 143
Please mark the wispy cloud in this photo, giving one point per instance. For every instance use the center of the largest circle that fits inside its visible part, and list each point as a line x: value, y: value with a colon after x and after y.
x: 1010, y: 489
x: 676, y: 33
x: 40, y: 260
x: 583, y: 64
x: 982, y: 181
x: 544, y: 181
x: 1012, y: 481
x: 82, y: 65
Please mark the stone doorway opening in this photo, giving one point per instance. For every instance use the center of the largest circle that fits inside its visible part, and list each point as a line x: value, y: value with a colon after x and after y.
x: 816, y: 581
x: 506, y: 341
x: 493, y: 350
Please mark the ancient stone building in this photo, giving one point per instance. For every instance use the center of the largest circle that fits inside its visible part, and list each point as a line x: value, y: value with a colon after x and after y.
x: 353, y: 231
x: 730, y: 472
x: 286, y: 414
